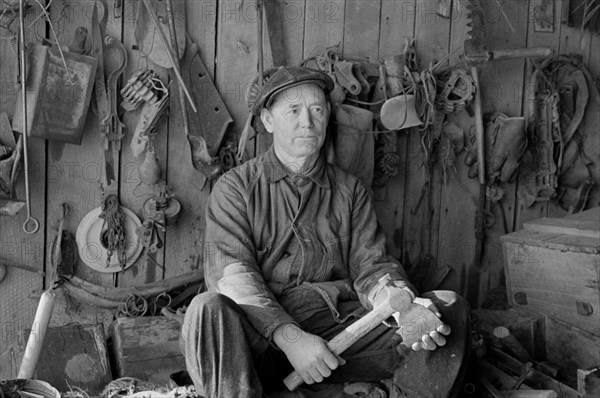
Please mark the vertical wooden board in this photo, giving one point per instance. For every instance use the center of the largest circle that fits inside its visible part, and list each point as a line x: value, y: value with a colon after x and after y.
x: 431, y: 43
x: 361, y: 28
x: 201, y: 25
x: 502, y: 92
x: 535, y: 39
x: 502, y: 81
x: 183, y: 250
x: 294, y: 15
x: 458, y: 202
x: 432, y: 33
x: 397, y: 23
x: 17, y: 310
x: 324, y: 26
x: 502, y: 89
x: 133, y: 195
x: 458, y: 208
x: 74, y: 172
x: 236, y: 58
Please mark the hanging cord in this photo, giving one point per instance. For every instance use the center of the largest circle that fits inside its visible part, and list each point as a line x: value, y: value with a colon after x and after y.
x: 62, y: 56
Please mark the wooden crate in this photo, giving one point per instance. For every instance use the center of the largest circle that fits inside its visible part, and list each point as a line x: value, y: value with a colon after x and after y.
x: 552, y: 266
x: 75, y: 356
x: 146, y: 348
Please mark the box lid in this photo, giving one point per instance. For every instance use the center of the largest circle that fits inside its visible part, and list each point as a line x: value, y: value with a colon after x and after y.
x: 579, y: 232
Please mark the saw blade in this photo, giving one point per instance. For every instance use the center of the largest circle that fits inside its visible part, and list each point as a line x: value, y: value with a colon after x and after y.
x: 476, y: 42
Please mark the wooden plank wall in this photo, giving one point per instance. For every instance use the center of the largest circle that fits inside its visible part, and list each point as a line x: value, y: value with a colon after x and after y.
x: 440, y: 233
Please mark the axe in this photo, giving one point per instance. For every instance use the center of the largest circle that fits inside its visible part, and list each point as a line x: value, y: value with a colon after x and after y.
x: 416, y: 321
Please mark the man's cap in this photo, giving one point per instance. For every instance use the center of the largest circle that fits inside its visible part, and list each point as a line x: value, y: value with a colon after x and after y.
x: 279, y: 79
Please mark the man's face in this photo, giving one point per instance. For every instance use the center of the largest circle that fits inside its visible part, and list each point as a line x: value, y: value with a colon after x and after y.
x: 298, y: 120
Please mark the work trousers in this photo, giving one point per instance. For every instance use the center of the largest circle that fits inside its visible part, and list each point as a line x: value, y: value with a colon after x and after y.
x: 226, y: 357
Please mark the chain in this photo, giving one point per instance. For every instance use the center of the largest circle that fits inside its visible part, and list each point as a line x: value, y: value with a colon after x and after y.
x: 113, y: 229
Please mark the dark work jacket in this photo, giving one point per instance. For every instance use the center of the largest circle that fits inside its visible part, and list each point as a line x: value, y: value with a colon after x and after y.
x: 254, y: 213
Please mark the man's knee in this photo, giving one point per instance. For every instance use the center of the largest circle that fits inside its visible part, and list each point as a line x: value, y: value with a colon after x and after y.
x: 208, y: 301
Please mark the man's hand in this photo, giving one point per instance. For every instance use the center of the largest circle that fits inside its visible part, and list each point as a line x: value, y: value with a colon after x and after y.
x: 433, y: 339
x: 308, y: 353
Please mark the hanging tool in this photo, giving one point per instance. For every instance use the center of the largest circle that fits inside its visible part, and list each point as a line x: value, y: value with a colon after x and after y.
x: 169, y: 52
x: 31, y: 225
x: 197, y: 144
x: 111, y: 126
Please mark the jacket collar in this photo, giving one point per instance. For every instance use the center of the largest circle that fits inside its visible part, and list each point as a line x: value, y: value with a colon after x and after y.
x: 275, y: 170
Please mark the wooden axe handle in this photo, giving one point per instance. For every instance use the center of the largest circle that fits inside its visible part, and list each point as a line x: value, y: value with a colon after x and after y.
x: 358, y: 329
x: 532, y: 52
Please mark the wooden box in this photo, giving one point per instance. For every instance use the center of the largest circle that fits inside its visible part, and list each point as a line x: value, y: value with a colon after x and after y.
x: 146, y: 348
x: 552, y: 266
x: 75, y: 356
x: 57, y: 98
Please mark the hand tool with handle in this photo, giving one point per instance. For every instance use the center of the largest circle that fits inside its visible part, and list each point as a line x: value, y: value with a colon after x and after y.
x: 111, y: 126
x: 416, y: 321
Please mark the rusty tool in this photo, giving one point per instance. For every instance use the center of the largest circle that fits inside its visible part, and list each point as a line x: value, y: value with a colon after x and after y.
x: 416, y: 321
x: 201, y: 159
x: 4, y: 264
x: 111, y: 126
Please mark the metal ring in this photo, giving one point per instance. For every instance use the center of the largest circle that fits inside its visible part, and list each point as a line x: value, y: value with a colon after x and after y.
x: 163, y: 294
x: 36, y: 225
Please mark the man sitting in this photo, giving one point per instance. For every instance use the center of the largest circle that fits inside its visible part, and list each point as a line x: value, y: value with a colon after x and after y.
x: 293, y: 255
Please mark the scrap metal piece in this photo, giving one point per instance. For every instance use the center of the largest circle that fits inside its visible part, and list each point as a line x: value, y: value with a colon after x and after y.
x: 209, y: 125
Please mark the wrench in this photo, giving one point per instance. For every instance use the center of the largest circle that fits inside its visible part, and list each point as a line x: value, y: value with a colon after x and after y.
x: 111, y: 126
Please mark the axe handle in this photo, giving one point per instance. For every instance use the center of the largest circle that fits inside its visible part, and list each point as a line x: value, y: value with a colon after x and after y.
x: 347, y: 337
x: 533, y: 52
x: 479, y: 131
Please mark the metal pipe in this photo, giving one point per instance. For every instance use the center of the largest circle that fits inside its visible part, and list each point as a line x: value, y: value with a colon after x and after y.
x: 30, y: 220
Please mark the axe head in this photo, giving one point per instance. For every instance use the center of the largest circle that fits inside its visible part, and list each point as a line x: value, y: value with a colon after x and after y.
x: 415, y: 320
x: 475, y: 53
